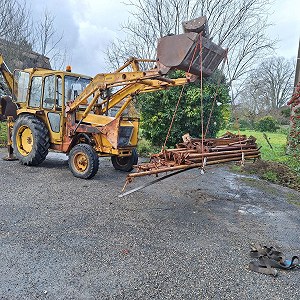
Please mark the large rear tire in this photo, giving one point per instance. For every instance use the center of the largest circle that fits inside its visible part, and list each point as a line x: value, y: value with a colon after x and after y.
x: 83, y: 161
x: 125, y: 163
x: 30, y: 140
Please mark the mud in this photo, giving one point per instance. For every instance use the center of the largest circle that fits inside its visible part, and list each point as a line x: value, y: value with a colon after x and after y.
x: 280, y: 173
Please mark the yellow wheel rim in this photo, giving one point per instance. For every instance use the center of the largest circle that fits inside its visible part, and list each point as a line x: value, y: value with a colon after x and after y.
x: 24, y: 140
x: 80, y: 162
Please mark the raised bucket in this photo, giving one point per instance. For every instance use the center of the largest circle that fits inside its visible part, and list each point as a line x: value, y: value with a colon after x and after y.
x: 182, y: 51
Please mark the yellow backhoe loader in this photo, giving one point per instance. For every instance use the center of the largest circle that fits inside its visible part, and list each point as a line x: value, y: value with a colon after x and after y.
x: 84, y: 117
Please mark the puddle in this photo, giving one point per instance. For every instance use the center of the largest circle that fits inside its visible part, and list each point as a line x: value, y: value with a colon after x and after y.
x: 251, y: 209
x: 234, y: 185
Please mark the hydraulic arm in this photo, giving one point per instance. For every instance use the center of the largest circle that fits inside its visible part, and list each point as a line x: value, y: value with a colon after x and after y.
x: 6, y: 73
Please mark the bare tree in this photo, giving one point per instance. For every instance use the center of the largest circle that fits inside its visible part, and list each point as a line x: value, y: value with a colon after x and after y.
x: 251, y: 102
x: 269, y: 86
x: 150, y: 20
x: 14, y: 20
x: 15, y: 31
x: 20, y: 36
x: 47, y: 35
x: 47, y: 40
x: 239, y: 25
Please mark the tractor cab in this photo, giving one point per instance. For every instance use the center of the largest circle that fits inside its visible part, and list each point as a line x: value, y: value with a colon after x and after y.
x: 45, y: 93
x: 47, y: 89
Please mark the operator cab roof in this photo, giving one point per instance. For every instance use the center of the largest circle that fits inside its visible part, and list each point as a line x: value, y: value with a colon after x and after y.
x: 45, y: 72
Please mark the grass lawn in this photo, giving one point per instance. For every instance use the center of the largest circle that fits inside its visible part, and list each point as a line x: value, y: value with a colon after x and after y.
x: 278, y: 153
x: 278, y: 142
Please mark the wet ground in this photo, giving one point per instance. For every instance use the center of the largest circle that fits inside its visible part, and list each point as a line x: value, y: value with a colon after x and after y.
x: 185, y: 238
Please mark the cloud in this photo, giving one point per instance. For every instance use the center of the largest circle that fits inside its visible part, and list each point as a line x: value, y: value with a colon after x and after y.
x: 88, y: 27
x: 98, y: 23
x: 286, y: 27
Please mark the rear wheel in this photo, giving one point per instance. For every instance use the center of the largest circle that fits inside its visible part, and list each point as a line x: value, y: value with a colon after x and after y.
x: 30, y: 140
x: 125, y: 163
x: 83, y: 161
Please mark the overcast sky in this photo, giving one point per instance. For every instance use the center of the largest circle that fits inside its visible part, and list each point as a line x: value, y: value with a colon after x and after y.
x: 89, y: 25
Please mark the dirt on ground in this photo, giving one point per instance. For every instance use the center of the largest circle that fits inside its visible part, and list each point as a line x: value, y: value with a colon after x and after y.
x: 187, y: 237
x: 274, y: 172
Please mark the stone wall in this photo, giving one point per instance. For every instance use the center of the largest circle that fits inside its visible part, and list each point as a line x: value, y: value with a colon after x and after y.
x: 22, y: 57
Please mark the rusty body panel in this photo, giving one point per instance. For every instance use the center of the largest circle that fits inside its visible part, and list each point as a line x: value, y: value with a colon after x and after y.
x: 180, y: 51
x: 186, y: 57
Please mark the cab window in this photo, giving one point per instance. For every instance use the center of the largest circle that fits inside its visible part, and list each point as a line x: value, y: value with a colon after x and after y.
x: 49, y: 92
x: 35, y: 91
x: 59, y: 91
x: 74, y: 87
x: 21, y: 82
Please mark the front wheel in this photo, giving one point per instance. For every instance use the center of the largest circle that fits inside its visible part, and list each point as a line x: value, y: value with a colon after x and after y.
x: 83, y: 161
x: 125, y: 163
x: 30, y: 140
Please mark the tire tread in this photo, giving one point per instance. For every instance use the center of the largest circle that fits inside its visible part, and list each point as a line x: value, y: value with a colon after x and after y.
x: 93, y: 160
x: 41, y: 136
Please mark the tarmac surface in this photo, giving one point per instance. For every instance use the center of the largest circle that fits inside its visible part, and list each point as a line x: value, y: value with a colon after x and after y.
x: 186, y: 237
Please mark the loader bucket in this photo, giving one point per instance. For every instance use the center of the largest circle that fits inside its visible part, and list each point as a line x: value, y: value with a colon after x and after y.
x: 182, y: 51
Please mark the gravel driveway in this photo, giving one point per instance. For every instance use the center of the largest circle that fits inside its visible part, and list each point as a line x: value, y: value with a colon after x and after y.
x: 185, y: 238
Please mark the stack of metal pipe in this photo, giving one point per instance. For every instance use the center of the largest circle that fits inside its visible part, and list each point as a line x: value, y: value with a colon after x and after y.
x: 195, y: 152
